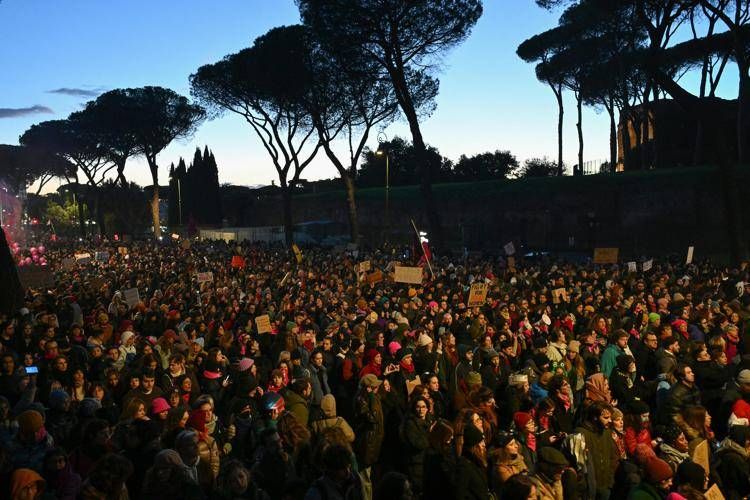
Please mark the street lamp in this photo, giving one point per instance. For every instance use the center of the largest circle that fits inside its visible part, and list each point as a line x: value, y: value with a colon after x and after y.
x: 383, y: 151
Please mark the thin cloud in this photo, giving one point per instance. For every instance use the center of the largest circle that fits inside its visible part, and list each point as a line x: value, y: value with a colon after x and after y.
x: 75, y: 92
x: 16, y: 112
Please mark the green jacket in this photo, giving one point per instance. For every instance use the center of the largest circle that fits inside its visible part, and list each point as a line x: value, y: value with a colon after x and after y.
x: 645, y: 491
x: 602, y: 454
x: 298, y: 406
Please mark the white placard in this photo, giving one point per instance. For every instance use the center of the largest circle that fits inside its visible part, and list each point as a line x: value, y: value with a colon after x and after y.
x: 648, y: 265
x: 206, y: 277
x: 632, y: 267
x: 689, y: 259
x: 509, y: 248
x: 131, y: 297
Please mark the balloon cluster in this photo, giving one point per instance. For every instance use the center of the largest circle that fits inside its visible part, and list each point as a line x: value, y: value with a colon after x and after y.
x: 30, y: 256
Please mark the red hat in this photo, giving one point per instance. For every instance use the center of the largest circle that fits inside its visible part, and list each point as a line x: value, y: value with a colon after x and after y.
x: 172, y: 314
x: 159, y: 405
x: 657, y: 470
x: 521, y: 418
x: 170, y: 334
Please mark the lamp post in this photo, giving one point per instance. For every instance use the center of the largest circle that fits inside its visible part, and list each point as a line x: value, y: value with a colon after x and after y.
x: 382, y: 138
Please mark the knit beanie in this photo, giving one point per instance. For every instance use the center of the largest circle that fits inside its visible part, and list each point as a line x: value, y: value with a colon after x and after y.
x: 29, y: 422
x: 657, y: 470
x: 57, y: 399
x: 521, y: 418
x: 473, y: 378
x: 688, y: 472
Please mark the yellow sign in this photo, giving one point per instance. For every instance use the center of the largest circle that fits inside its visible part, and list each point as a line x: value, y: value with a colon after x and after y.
x: 122, y: 250
x: 700, y: 455
x: 559, y: 295
x: 478, y: 294
x: 375, y: 277
x: 263, y: 323
x: 606, y: 255
x: 412, y: 275
x: 297, y: 253
x: 714, y: 493
x: 364, y: 266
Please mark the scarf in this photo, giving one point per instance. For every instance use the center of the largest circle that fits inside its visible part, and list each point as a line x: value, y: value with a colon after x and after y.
x: 564, y: 399
x: 595, y: 390
x: 407, y: 368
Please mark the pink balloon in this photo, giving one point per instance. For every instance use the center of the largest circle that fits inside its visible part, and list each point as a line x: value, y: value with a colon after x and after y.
x: 41, y: 249
x: 35, y: 258
x: 27, y: 260
x: 15, y: 250
x: 33, y: 250
x: 43, y: 261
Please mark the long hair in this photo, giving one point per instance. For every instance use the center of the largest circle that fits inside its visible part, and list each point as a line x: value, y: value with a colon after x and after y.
x: 129, y: 411
x: 291, y: 431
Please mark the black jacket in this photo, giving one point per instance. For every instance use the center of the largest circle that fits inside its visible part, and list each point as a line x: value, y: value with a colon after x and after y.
x: 472, y: 480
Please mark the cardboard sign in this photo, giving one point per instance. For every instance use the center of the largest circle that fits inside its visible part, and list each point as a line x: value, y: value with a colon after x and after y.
x: 375, y: 277
x: 68, y: 264
x: 689, y: 259
x: 714, y: 493
x: 648, y: 265
x: 509, y: 248
x: 36, y: 276
x: 185, y: 244
x: 122, y: 250
x: 206, y: 277
x: 478, y: 294
x: 131, y: 297
x: 632, y: 267
x: 606, y: 255
x: 83, y: 258
x: 559, y: 295
x: 700, y: 455
x: 101, y: 256
x: 412, y: 384
x: 412, y: 275
x: 364, y: 266
x: 297, y: 253
x: 511, y: 262
x: 263, y: 324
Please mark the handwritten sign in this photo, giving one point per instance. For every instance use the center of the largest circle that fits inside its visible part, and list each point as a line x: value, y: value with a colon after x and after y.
x: 510, y: 248
x: 206, y: 277
x: 559, y: 295
x: 689, y: 258
x: 632, y: 267
x: 713, y: 493
x: 36, y: 276
x: 263, y: 323
x: 648, y: 265
x: 478, y: 294
x: 606, y: 255
x: 131, y: 296
x: 101, y: 256
x: 364, y: 266
x: 412, y: 275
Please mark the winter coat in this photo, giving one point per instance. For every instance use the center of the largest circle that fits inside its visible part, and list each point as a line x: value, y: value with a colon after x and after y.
x: 439, y: 475
x: 414, y: 436
x: 609, y: 359
x: 602, y: 454
x: 298, y: 406
x: 328, y: 406
x: 369, y: 428
x: 680, y: 396
x: 472, y: 480
x: 633, y: 439
x: 645, y: 491
x: 734, y: 470
x: 319, y: 380
x: 208, y: 466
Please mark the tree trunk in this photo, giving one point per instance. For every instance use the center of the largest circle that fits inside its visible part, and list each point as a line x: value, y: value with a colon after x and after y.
x: 351, y: 203
x: 560, y: 114
x: 743, y: 115
x: 99, y: 212
x: 286, y: 195
x: 579, y: 126
x: 155, y: 198
x: 612, y: 139
x: 79, y: 202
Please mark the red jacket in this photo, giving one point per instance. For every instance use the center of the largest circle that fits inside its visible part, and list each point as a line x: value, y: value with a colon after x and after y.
x: 632, y: 439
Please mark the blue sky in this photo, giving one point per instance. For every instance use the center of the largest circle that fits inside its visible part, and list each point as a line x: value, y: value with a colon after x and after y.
x: 489, y: 99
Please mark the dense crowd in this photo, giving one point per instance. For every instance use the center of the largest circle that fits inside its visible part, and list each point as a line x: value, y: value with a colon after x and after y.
x: 570, y: 381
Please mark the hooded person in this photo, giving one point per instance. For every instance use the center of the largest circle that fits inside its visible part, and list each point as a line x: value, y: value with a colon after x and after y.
x: 328, y: 407
x: 60, y: 478
x: 169, y: 478
x: 733, y: 466
x: 657, y: 480
x: 31, y: 443
x: 26, y: 484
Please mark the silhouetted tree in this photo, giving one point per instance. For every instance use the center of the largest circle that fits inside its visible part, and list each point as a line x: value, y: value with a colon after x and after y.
x: 159, y: 117
x: 20, y: 167
x: 266, y: 85
x: 403, y: 158
x: 538, y: 167
x: 485, y: 166
x: 407, y: 38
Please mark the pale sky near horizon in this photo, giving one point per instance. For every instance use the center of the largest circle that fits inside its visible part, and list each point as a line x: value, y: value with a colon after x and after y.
x: 57, y: 54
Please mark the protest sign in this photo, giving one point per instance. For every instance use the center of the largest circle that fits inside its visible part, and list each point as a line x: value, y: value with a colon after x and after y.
x: 206, y: 277
x: 238, y: 262
x: 700, y: 455
x: 101, y: 256
x: 412, y: 275
x: 511, y: 262
x: 364, y: 266
x: 36, y: 276
x: 689, y: 259
x: 478, y: 294
x: 83, y: 258
x: 509, y: 248
x: 559, y: 295
x: 131, y: 297
x: 375, y: 277
x: 122, y: 250
x: 632, y: 267
x: 648, y: 265
x: 606, y: 255
x: 714, y: 493
x: 297, y: 253
x: 263, y: 323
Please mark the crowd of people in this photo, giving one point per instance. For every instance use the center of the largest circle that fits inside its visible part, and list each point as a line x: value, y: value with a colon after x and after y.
x: 569, y: 381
